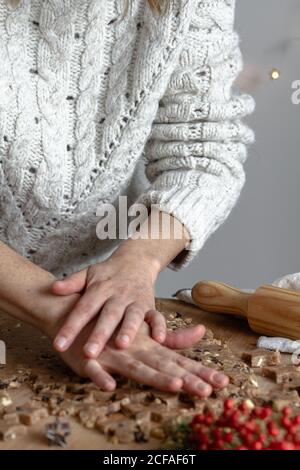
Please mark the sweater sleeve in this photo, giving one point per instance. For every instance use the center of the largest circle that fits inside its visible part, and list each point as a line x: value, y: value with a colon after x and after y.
x: 198, y: 143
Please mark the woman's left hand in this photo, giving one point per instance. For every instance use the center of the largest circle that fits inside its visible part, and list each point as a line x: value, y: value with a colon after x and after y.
x: 121, y: 291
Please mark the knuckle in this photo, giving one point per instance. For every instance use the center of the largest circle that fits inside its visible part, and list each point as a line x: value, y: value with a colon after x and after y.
x: 136, y: 308
x: 126, y: 293
x: 111, y: 314
x: 134, y: 366
x: 161, y: 379
x: 115, y: 300
x: 155, y: 315
x: 204, y: 371
x: 170, y: 382
x: 69, y: 330
x: 121, y: 289
x: 96, y: 283
x: 182, y: 361
x: 166, y: 365
x: 85, y: 310
x: 157, y: 364
x: 108, y: 284
x: 153, y: 311
x: 100, y: 286
x: 189, y: 379
x: 99, y: 336
x: 129, y: 330
x: 135, y: 315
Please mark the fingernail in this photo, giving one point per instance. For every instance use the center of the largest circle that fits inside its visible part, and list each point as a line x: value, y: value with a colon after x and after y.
x: 219, y: 378
x: 61, y: 342
x: 124, y: 338
x: 109, y: 385
x: 92, y: 348
x: 175, y: 383
x: 160, y: 336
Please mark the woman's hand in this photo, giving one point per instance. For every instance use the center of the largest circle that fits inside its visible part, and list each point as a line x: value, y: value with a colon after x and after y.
x: 147, y: 362
x: 25, y: 293
x: 121, y: 290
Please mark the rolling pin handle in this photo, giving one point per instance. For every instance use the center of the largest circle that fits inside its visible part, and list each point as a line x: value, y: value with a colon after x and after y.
x: 218, y: 297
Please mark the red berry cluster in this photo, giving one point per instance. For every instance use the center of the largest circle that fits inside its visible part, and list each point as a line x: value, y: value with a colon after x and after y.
x: 241, y: 426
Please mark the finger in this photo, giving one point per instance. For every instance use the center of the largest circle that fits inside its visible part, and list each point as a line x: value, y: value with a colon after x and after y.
x: 184, y: 338
x: 142, y: 373
x: 110, y: 317
x: 196, y: 386
x: 85, y: 309
x: 158, y: 325
x: 211, y: 376
x: 71, y: 284
x: 134, y: 317
x: 94, y: 371
x: 191, y: 383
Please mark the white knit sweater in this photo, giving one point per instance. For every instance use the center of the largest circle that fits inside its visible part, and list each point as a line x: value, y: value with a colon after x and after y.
x: 85, y: 98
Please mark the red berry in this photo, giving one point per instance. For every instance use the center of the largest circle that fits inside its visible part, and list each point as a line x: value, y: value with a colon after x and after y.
x: 274, y: 446
x: 228, y: 404
x: 261, y: 437
x: 219, y: 444
x: 272, y: 429
x: 286, y: 446
x: 202, y: 447
x: 286, y: 422
x: 243, y: 432
x: 296, y: 438
x: 256, y: 412
x: 293, y: 429
x: 234, y: 419
x: 257, y: 445
x: 202, y: 437
x: 251, y: 426
x: 248, y: 439
x: 217, y: 433
x: 228, y: 437
x: 198, y: 419
x: 287, y: 410
x: 244, y: 407
x: 209, y: 419
x: 265, y: 412
x: 296, y: 419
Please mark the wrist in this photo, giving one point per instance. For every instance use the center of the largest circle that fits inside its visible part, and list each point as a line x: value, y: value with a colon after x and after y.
x: 31, y: 304
x: 135, y: 253
x: 49, y: 313
x: 56, y: 314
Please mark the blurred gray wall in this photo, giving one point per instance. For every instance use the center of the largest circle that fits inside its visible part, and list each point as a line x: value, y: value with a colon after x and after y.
x: 259, y: 242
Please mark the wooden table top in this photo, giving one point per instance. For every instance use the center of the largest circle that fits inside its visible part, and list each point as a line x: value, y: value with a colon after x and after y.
x: 28, y: 350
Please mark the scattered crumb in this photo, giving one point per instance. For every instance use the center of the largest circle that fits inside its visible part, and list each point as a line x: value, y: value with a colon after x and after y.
x: 11, y: 431
x: 262, y: 357
x: 136, y: 413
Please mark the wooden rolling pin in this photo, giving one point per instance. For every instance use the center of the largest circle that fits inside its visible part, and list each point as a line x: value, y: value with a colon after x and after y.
x: 269, y: 310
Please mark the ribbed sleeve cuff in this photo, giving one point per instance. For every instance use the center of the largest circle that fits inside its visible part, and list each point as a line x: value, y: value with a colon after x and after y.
x: 200, y: 209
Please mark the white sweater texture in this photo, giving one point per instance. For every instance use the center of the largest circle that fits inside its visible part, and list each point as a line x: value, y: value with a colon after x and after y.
x: 94, y: 106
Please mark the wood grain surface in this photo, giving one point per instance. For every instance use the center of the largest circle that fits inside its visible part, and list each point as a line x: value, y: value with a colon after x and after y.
x: 28, y: 350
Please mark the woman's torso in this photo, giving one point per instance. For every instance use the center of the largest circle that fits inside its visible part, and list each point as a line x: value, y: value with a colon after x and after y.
x: 79, y: 92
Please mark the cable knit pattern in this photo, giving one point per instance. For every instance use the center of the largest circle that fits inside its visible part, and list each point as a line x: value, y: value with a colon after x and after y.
x: 86, y: 96
x: 198, y: 142
x: 53, y: 67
